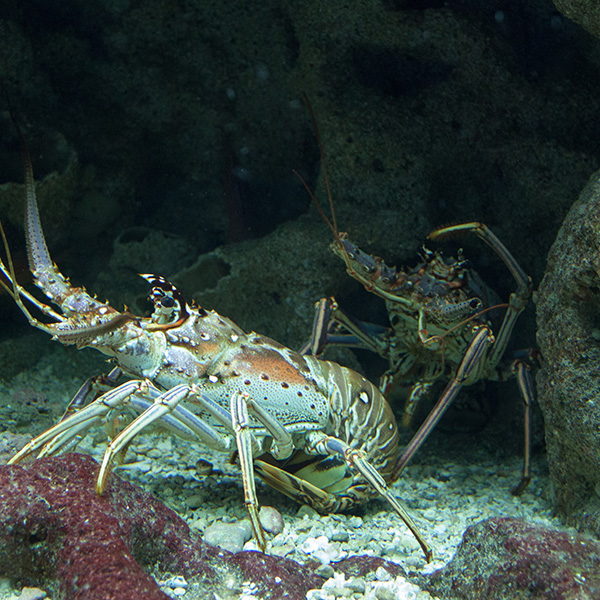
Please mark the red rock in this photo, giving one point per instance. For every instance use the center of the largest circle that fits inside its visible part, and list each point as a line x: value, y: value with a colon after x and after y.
x: 508, y: 558
x: 55, y: 532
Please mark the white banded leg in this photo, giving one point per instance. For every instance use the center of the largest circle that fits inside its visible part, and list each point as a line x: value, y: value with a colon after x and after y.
x: 92, y: 385
x: 165, y: 409
x: 247, y: 446
x: 527, y: 390
x: 80, y: 421
x: 472, y: 360
x: 418, y: 391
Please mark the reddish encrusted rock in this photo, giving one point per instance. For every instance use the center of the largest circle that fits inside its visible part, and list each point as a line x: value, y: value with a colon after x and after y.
x: 508, y: 558
x: 55, y: 532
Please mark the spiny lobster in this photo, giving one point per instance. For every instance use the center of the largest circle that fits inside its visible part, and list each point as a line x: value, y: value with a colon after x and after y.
x: 439, y: 326
x: 314, y: 430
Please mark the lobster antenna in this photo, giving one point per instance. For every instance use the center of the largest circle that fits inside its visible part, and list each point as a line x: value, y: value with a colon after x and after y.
x: 332, y: 225
x: 470, y: 318
x: 323, y: 163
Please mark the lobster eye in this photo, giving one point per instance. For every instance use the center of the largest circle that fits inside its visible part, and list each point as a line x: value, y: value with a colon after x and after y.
x: 167, y: 302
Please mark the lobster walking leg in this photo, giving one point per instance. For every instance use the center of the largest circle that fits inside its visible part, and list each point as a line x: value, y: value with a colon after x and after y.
x: 324, y: 444
x: 471, y: 361
x: 244, y: 440
x: 526, y: 389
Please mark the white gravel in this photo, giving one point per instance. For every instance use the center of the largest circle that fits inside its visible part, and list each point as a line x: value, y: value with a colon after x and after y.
x: 444, y: 498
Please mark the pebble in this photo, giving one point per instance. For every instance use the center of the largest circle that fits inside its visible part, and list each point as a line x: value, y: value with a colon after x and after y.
x: 271, y: 520
x: 30, y: 593
x: 385, y: 592
x: 355, y: 522
x: 282, y: 550
x: 176, y: 582
x: 340, y: 536
x: 228, y: 536
x: 356, y: 584
x: 203, y: 467
x: 382, y: 574
x: 322, y: 549
x: 308, y: 511
x: 325, y: 571
x: 195, y: 501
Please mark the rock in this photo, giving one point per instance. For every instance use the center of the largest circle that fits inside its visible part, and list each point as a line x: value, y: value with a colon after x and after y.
x: 56, y: 533
x: 271, y: 520
x: 584, y: 12
x: 229, y: 536
x: 29, y: 593
x: 508, y: 558
x: 568, y: 306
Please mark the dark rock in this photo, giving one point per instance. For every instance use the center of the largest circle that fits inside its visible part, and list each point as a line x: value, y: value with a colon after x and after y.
x: 507, y: 558
x: 55, y: 532
x: 568, y: 309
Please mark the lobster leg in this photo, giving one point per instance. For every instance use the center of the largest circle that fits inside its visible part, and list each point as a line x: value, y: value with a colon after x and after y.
x: 472, y: 360
x: 244, y: 440
x: 418, y: 391
x: 166, y: 404
x: 320, y: 443
x: 92, y: 385
x: 283, y: 444
x: 525, y: 383
x: 328, y: 316
x: 78, y: 422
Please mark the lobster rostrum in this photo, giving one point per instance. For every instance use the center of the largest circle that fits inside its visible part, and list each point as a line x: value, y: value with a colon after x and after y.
x: 439, y: 327
x: 314, y: 430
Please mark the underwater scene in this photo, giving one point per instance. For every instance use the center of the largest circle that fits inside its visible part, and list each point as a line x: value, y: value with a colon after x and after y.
x: 299, y: 300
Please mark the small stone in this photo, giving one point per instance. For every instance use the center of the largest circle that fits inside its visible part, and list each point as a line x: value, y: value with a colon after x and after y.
x: 304, y: 526
x: 177, y: 582
x: 176, y: 480
x: 382, y: 574
x: 282, y: 550
x: 325, y: 571
x: 321, y: 549
x: 229, y: 536
x: 204, y: 468
x: 271, y: 520
x: 385, y: 592
x: 355, y: 522
x: 30, y: 593
x: 340, y: 536
x: 306, y: 510
x: 178, y: 592
x: 356, y: 584
x: 195, y: 501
